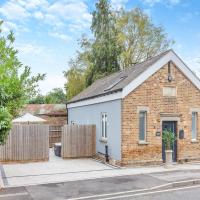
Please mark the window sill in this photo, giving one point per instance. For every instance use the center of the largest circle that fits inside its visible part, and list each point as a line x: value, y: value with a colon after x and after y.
x: 194, y: 141
x: 143, y: 142
x: 103, y: 140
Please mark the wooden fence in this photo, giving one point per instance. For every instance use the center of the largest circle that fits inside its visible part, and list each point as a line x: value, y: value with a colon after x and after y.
x: 26, y: 143
x: 54, y: 135
x: 78, y: 141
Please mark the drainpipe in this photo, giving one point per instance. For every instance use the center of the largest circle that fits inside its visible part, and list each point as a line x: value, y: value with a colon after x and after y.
x: 169, y: 72
x: 106, y: 153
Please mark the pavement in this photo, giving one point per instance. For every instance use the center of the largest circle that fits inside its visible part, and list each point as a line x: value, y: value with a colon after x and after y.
x: 141, y: 187
x: 58, y: 170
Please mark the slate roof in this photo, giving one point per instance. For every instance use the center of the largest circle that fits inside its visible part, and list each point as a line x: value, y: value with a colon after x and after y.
x: 98, y: 88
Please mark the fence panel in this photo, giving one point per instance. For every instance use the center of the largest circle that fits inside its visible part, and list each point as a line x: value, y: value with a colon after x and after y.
x: 26, y: 143
x: 78, y: 141
x: 54, y: 135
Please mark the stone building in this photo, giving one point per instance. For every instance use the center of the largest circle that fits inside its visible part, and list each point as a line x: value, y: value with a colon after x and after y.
x: 132, y: 107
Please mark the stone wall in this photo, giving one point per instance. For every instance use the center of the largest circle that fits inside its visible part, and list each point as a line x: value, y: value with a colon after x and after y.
x: 177, y: 108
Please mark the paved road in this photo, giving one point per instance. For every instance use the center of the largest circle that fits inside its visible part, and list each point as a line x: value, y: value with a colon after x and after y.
x: 141, y: 187
x: 184, y: 193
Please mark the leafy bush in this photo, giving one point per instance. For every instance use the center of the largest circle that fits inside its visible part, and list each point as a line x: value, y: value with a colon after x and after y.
x: 168, y: 138
x: 5, y: 124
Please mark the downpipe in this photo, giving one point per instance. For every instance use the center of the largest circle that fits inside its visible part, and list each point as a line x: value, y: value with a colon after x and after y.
x: 106, y: 153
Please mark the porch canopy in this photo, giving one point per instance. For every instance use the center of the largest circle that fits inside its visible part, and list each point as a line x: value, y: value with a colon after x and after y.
x: 28, y: 118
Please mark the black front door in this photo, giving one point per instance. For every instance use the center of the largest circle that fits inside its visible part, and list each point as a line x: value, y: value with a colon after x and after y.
x: 172, y: 126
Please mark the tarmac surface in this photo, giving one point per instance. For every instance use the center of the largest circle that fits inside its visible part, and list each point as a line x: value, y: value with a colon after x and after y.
x: 162, y: 186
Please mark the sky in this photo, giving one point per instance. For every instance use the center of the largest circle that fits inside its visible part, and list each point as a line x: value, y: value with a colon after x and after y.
x: 47, y: 31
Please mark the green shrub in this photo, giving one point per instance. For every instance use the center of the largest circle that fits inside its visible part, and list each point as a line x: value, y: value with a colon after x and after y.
x: 168, y: 138
x: 5, y: 124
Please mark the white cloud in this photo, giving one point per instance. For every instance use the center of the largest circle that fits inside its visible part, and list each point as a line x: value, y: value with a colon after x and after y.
x: 52, y: 81
x: 75, y: 13
x: 190, y: 56
x: 13, y: 11
x: 31, y: 48
x: 7, y: 26
x: 167, y: 2
x: 62, y: 13
x: 192, y: 59
x: 39, y: 57
x: 33, y: 4
x: 60, y: 36
x: 148, y: 11
x: 118, y: 4
x: 38, y: 15
x: 194, y: 62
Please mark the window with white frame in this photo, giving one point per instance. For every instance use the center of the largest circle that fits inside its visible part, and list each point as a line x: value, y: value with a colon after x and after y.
x: 142, y: 125
x: 194, y: 125
x: 104, y: 125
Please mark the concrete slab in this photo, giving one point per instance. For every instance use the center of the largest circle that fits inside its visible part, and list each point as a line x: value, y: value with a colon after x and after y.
x: 58, y: 170
x: 55, y: 170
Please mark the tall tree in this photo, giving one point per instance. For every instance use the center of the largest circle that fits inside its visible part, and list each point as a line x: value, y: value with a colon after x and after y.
x: 39, y: 99
x: 139, y: 38
x: 16, y: 83
x: 105, y: 50
x: 75, y: 79
x: 120, y: 39
x: 55, y: 96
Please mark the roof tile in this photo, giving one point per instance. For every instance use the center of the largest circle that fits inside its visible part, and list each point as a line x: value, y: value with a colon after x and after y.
x: 98, y: 88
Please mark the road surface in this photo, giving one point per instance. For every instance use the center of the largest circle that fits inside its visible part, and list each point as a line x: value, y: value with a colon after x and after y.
x: 140, y: 187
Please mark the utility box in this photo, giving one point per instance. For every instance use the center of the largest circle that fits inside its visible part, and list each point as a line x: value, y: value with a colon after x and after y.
x: 181, y: 134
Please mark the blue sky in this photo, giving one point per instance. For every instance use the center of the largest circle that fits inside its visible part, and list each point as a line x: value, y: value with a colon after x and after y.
x: 47, y: 30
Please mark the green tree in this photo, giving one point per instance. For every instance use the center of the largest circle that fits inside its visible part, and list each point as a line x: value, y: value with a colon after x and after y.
x: 5, y: 124
x: 15, y: 79
x: 105, y: 49
x: 75, y: 79
x: 139, y: 38
x: 39, y: 99
x: 16, y: 83
x: 56, y: 96
x: 120, y: 39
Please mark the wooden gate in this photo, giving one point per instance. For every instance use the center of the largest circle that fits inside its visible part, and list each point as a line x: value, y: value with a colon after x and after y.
x: 54, y: 135
x: 78, y: 141
x: 26, y: 143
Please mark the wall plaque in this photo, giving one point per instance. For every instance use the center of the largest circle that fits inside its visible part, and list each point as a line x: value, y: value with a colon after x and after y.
x: 169, y: 91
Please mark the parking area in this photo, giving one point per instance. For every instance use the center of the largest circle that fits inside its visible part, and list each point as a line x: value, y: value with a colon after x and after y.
x: 56, y: 170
